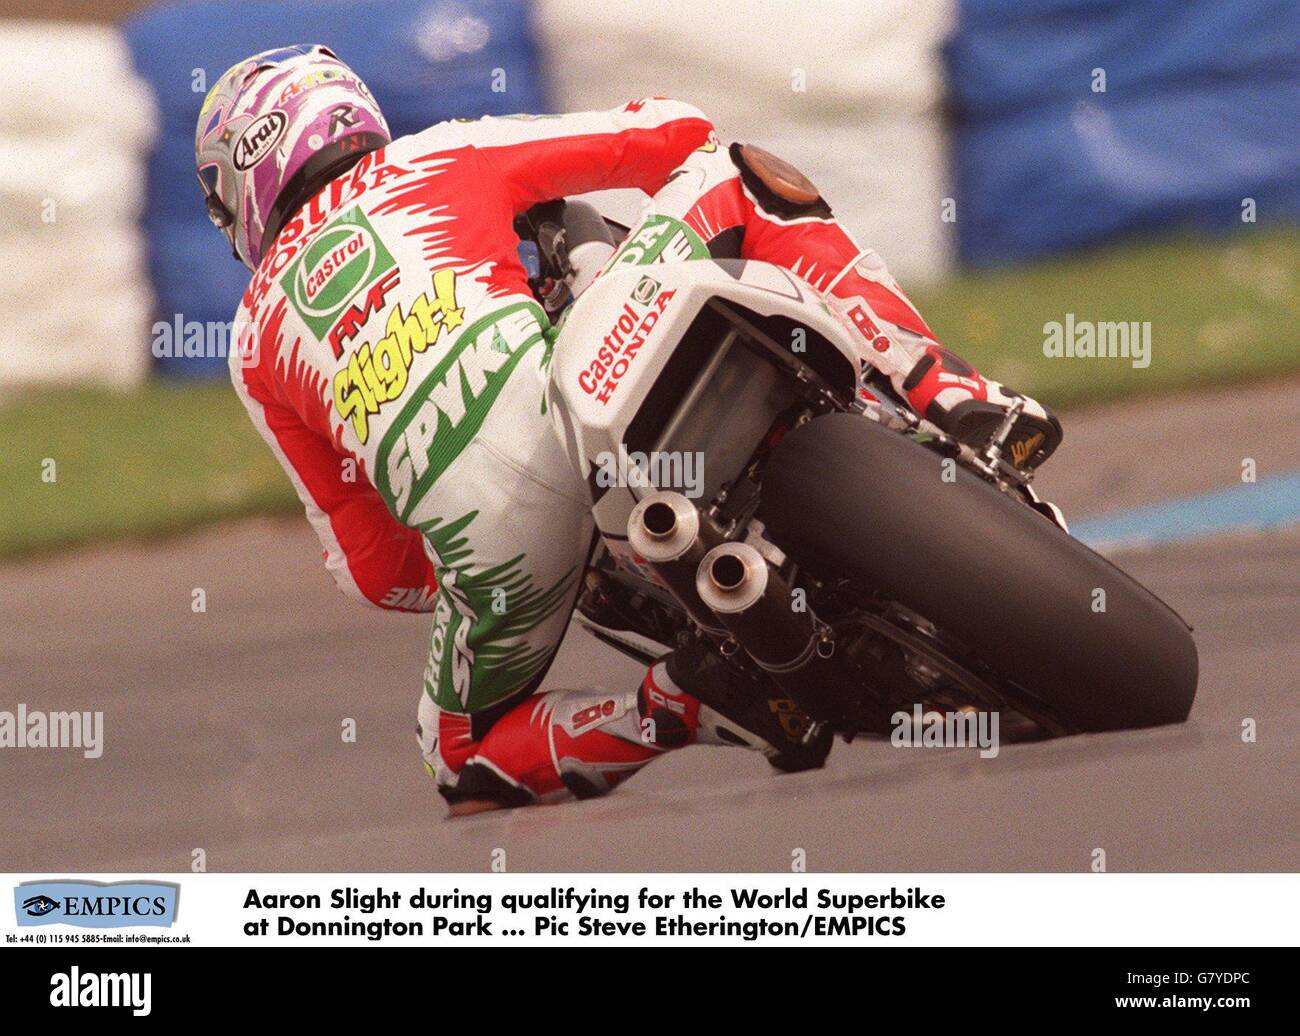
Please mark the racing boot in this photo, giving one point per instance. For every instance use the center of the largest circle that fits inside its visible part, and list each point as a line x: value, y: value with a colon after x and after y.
x: 952, y: 395
x: 938, y: 385
x: 585, y: 743
x: 733, y: 708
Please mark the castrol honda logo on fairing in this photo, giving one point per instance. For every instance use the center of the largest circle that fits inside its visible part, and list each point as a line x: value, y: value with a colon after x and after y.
x: 259, y: 139
x: 618, y: 351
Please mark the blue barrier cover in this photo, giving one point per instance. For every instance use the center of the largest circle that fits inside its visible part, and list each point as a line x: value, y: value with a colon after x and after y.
x: 424, y: 60
x: 1011, y: 55
x: 1199, y: 112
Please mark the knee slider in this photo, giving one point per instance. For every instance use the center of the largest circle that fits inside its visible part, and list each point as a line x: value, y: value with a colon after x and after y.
x: 482, y: 783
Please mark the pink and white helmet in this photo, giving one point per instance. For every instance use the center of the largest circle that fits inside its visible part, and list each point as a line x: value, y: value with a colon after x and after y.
x: 272, y: 131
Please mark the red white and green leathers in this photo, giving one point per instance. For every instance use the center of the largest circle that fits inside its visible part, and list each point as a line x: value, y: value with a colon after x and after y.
x: 395, y: 361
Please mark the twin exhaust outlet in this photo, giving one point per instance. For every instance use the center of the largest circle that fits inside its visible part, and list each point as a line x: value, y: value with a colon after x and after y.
x: 736, y: 597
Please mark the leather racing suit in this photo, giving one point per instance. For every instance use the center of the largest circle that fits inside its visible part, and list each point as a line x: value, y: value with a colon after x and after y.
x: 395, y: 360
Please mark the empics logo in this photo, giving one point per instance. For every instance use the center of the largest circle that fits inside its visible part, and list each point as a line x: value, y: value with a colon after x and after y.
x: 346, y: 258
x: 39, y: 906
x: 90, y: 904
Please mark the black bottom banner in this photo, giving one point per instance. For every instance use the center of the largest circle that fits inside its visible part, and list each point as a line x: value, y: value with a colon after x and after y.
x: 305, y: 983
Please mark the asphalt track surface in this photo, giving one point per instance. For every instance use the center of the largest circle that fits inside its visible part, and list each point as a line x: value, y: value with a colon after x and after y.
x: 222, y: 729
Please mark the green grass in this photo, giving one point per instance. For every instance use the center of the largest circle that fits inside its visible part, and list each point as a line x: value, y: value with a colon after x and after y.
x: 1220, y: 311
x: 166, y: 458
x: 157, y: 460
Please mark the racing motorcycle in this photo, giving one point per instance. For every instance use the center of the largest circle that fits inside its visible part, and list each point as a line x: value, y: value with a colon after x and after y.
x: 835, y: 543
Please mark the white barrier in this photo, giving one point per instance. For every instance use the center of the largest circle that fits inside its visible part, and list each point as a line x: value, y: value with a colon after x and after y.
x: 74, y: 132
x: 849, y: 92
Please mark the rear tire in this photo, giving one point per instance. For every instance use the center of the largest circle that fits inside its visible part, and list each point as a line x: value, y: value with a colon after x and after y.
x: 847, y: 498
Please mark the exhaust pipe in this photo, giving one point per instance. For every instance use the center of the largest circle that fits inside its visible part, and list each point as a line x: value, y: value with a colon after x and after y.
x: 756, y: 606
x: 668, y: 532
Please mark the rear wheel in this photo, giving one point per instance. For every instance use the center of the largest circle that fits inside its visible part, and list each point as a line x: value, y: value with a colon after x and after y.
x: 1055, y: 627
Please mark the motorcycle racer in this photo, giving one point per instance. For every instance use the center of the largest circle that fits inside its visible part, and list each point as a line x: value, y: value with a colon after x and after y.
x: 394, y: 358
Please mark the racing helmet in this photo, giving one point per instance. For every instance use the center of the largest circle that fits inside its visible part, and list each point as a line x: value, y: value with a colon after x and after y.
x: 273, y: 130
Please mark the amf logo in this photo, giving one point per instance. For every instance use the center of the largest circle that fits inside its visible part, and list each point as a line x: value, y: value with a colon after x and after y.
x: 92, y: 904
